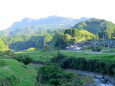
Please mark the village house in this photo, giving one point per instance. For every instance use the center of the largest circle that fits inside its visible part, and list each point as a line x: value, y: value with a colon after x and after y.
x: 79, y: 46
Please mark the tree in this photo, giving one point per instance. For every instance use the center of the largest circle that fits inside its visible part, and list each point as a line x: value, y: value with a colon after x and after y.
x: 24, y: 59
x: 2, y: 45
x: 47, y: 38
x: 27, y: 61
x: 60, y: 41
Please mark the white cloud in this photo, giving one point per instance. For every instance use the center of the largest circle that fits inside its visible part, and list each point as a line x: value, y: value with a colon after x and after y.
x: 15, y: 10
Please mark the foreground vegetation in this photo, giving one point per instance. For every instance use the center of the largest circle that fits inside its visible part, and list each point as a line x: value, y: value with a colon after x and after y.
x: 13, y: 73
x: 95, y: 62
x: 53, y: 75
x: 92, y: 65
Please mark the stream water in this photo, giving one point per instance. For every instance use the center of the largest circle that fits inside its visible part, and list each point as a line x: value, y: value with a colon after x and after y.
x: 99, y: 79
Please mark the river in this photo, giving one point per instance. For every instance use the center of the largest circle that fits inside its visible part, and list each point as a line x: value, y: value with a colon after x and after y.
x: 99, y: 79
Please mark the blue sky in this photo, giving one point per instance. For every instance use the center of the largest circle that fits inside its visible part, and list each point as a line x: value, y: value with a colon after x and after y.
x: 15, y: 10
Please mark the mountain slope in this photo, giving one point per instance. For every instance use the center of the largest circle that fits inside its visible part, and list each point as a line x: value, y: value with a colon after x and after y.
x: 30, y: 26
x: 98, y: 26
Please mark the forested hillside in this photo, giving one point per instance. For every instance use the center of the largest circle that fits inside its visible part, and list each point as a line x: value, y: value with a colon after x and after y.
x: 72, y: 35
x: 98, y: 26
x: 48, y: 38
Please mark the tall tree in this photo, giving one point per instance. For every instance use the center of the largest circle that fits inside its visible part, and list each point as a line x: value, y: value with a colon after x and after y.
x: 2, y: 45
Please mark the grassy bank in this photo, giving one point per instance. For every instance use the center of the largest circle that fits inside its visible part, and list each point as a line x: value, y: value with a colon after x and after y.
x: 13, y: 73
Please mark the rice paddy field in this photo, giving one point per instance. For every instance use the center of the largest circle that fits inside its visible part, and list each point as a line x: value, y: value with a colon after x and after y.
x: 38, y: 55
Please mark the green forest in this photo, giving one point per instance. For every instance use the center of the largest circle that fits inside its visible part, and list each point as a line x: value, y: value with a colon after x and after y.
x: 97, y: 26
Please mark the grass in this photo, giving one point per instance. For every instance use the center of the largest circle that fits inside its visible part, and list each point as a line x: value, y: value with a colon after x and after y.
x: 10, y: 69
x: 98, y: 56
x: 3, y: 56
x: 46, y: 56
x: 109, y: 51
x: 38, y: 55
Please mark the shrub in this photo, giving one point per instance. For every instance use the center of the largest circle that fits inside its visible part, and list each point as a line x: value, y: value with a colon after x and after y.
x: 54, y: 76
x: 25, y: 59
x: 58, y: 59
x: 92, y: 65
x: 111, y: 69
x: 7, y: 52
x: 96, y: 48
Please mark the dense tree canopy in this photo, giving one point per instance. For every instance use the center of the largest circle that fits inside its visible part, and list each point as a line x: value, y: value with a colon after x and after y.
x: 2, y: 45
x: 56, y: 38
x: 97, y: 26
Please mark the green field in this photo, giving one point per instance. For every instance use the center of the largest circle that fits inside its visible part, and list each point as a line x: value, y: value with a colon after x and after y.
x: 47, y: 55
x: 38, y: 55
x: 109, y: 51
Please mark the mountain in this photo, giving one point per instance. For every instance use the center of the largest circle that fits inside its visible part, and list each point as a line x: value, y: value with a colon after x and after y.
x: 30, y: 26
x: 98, y: 26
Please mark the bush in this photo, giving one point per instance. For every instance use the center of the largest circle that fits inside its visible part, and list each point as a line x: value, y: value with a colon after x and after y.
x: 53, y: 75
x: 87, y: 65
x: 25, y: 59
x: 90, y: 65
x: 111, y: 69
x: 97, y: 48
x: 58, y: 59
x: 8, y: 52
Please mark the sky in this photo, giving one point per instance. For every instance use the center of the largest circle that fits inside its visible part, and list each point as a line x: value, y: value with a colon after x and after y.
x: 15, y: 10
